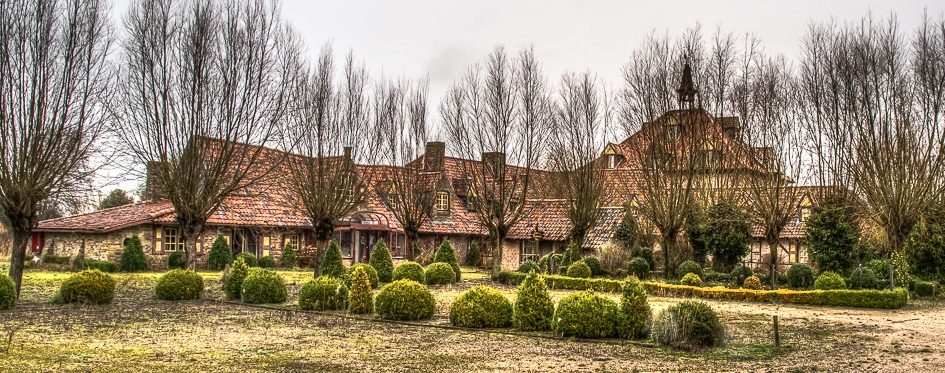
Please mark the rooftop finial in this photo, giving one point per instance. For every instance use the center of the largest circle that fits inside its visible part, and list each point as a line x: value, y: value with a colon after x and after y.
x: 687, y: 90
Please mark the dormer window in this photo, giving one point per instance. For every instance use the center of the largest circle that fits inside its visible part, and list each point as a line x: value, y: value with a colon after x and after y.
x: 672, y: 131
x: 614, y: 160
x: 442, y: 202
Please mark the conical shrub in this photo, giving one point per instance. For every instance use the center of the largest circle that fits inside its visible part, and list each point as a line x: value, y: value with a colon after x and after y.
x: 360, y: 298
x: 382, y: 262
x: 220, y: 254
x: 332, y: 265
x: 445, y: 254
x: 233, y: 278
x: 132, y: 259
x: 634, y: 318
x: 533, y: 308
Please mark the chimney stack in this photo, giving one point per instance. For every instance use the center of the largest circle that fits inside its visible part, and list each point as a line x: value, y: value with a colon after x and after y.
x: 433, y: 156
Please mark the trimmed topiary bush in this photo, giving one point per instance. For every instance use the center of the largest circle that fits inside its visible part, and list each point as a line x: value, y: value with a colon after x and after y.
x: 829, y: 281
x: 410, y: 271
x: 332, y: 264
x: 88, y: 287
x: 439, y: 273
x: 361, y: 299
x: 176, y: 260
x: 263, y: 286
x: 179, y: 284
x: 633, y: 321
x: 249, y: 258
x: 863, y: 278
x: 290, y: 258
x: 323, y: 293
x: 101, y: 265
x: 473, y: 259
x: 233, y: 278
x: 481, y: 307
x: 370, y: 271
x: 267, y: 262
x: 688, y: 267
x: 528, y: 266
x: 586, y: 314
x: 800, y: 276
x: 446, y: 254
x: 7, y: 292
x: 691, y: 279
x: 594, y: 264
x: 220, y: 254
x: 739, y: 274
x: 132, y: 258
x: 688, y: 325
x: 404, y: 300
x: 382, y: 262
x: 638, y: 267
x: 579, y: 269
x: 926, y: 288
x: 752, y: 283
x: 533, y: 308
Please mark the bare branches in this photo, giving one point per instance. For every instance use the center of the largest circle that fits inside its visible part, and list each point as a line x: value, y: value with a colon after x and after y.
x: 54, y: 88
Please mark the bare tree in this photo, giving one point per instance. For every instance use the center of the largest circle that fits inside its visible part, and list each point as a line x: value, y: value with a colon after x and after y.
x: 499, y: 113
x: 875, y: 113
x: 406, y: 187
x: 203, y: 82
x: 576, y: 141
x: 53, y: 93
x: 330, y: 126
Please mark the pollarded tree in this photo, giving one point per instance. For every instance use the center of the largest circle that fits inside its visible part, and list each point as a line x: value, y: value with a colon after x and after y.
x: 54, y: 91
x: 499, y: 113
x: 202, y: 82
x: 727, y: 235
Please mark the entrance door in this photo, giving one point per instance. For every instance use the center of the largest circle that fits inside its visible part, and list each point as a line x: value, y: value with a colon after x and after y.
x: 366, y: 244
x: 245, y: 241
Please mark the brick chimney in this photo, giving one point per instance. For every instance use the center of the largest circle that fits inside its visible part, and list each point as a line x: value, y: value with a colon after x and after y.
x: 494, y: 162
x: 433, y: 156
x: 152, y: 183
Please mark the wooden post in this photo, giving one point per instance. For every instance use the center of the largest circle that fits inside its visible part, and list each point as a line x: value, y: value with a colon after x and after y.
x: 892, y: 276
x: 777, y: 333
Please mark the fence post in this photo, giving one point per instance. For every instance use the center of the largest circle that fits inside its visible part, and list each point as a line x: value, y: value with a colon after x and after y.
x: 777, y: 332
x: 892, y: 276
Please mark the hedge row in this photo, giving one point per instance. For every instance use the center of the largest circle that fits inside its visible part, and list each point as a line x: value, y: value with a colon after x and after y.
x: 843, y: 298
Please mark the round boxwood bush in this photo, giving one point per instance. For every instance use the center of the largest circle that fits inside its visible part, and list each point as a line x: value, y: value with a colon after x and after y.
x: 752, y: 283
x: 800, y: 276
x: 220, y: 254
x: 739, y: 274
x: 829, y: 281
x: 132, y: 258
x: 594, y: 264
x: 360, y: 298
x: 233, y: 278
x: 323, y: 293
x: 410, y: 271
x: 579, y: 269
x: 88, y: 287
x: 863, y: 278
x: 382, y: 262
x: 179, y: 284
x: 925, y: 288
x: 404, y: 300
x: 370, y: 271
x: 688, y: 325
x: 638, y: 267
x: 533, y: 308
x: 7, y: 292
x: 528, y: 266
x: 691, y: 279
x: 440, y: 273
x: 263, y: 286
x: 586, y: 314
x: 688, y: 267
x: 176, y: 260
x: 250, y: 259
x: 267, y: 262
x: 633, y: 321
x: 481, y: 307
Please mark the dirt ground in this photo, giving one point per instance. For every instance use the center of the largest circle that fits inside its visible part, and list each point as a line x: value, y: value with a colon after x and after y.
x: 140, y: 333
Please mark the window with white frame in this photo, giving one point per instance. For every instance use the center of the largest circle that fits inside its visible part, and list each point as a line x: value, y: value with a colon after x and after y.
x: 529, y: 250
x: 172, y: 239
x: 442, y: 202
x: 292, y: 239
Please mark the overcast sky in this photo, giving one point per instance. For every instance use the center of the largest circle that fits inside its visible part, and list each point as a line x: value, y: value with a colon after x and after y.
x: 440, y: 39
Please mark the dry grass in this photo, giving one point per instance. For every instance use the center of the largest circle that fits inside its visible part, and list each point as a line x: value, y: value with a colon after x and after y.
x: 140, y: 333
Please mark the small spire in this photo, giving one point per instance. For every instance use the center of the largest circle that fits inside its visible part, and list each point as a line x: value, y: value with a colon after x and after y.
x: 687, y: 90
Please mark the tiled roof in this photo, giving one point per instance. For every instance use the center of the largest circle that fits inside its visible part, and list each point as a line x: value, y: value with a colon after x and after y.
x: 548, y: 216
x: 108, y: 220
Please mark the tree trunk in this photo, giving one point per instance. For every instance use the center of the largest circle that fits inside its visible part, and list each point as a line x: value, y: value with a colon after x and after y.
x: 669, y: 245
x: 497, y: 254
x: 773, y: 264
x: 22, y: 229
x: 411, y: 237
x: 191, y: 237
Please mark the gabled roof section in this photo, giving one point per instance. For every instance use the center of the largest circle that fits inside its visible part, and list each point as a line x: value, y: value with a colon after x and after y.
x: 111, y: 219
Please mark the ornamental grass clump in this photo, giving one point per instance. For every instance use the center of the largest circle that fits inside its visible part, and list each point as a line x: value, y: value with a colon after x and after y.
x: 7, y: 292
x: 688, y: 325
x: 382, y: 262
x: 370, y: 271
x: 87, y: 287
x: 633, y: 321
x: 410, y: 271
x: 579, y: 269
x: 360, y: 298
x: 800, y: 276
x: 691, y: 279
x: 332, y: 263
x: 323, y: 293
x: 829, y: 281
x: 439, y: 273
x: 446, y: 254
x: 586, y: 314
x: 263, y: 286
x: 533, y: 309
x: 404, y: 300
x: 481, y: 307
x: 179, y: 284
x: 233, y: 279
